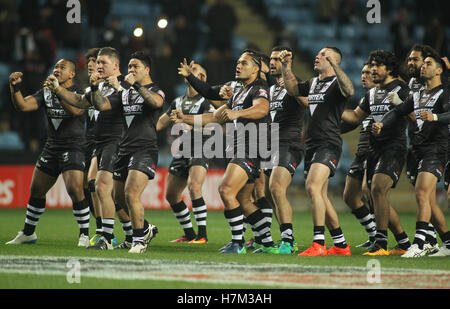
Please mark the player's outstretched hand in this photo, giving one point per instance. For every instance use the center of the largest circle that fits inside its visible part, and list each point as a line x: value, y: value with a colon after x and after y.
x: 185, y: 69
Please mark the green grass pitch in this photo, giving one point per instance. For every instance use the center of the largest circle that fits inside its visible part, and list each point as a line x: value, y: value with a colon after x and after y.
x: 58, y: 235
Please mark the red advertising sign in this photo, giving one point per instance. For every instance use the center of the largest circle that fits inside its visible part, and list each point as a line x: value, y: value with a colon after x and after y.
x: 15, y: 183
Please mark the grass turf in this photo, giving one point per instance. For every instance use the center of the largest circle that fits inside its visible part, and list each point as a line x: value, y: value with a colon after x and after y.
x: 58, y: 235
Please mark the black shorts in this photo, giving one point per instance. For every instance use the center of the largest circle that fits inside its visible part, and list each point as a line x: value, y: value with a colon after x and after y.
x: 106, y: 156
x: 288, y: 157
x: 430, y: 163
x: 411, y: 166
x: 389, y: 162
x: 89, y: 154
x: 328, y: 155
x: 54, y: 163
x: 447, y: 175
x: 251, y: 166
x: 180, y: 166
x: 358, y: 166
x: 144, y: 161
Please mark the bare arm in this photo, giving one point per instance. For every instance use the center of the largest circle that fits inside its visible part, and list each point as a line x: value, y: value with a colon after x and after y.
x: 151, y: 98
x: 355, y: 116
x: 203, y: 119
x: 302, y: 101
x: 99, y: 101
x: 259, y: 109
x: 345, y: 84
x: 72, y: 98
x: 163, y: 122
x: 289, y: 79
x: 22, y: 104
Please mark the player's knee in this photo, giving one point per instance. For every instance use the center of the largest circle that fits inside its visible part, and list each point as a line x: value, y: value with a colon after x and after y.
x: 422, y: 196
x: 276, y: 190
x: 226, y: 192
x: 131, y: 196
x: 102, y: 189
x: 195, y: 188
x: 313, y: 188
x: 379, y: 189
x: 76, y: 193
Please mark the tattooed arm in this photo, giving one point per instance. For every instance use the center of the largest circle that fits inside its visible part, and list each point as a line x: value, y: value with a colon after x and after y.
x: 151, y: 98
x: 99, y: 101
x: 289, y: 79
x: 345, y: 84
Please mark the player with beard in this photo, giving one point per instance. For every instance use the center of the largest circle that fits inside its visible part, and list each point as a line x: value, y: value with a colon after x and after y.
x: 327, y: 94
x: 288, y: 112
x: 386, y: 160
x: 248, y: 105
x: 356, y: 194
x: 429, y: 146
x: 188, y: 171
x: 416, y: 84
x: 63, y: 151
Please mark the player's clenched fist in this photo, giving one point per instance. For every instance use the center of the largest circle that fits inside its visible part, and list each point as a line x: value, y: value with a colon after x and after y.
x: 95, y: 79
x: 226, y: 92
x: 15, y: 78
x: 51, y: 83
x: 285, y: 56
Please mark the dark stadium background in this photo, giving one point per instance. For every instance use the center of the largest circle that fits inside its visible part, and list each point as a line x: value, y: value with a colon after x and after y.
x: 35, y: 33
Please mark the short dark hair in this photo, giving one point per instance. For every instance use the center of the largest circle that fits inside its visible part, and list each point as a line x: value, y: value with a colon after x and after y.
x: 423, y: 49
x: 386, y: 58
x: 281, y: 48
x: 110, y: 52
x: 72, y: 64
x: 256, y: 56
x: 143, y: 57
x: 93, y: 52
x: 336, y: 50
x: 437, y: 58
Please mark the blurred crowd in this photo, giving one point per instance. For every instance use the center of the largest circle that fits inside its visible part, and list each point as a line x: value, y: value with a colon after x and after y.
x: 33, y: 33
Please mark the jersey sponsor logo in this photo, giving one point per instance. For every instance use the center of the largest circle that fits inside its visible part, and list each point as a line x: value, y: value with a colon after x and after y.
x: 317, y: 93
x: 54, y: 110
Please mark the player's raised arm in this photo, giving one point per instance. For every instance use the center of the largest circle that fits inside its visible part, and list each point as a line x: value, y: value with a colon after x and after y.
x: 22, y: 104
x: 345, y: 84
x: 97, y: 99
x: 289, y: 79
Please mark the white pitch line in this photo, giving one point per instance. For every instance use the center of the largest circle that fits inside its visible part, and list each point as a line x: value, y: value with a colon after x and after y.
x: 270, y: 275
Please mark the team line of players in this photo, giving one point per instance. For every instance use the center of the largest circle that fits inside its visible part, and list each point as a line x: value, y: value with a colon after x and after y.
x: 122, y: 153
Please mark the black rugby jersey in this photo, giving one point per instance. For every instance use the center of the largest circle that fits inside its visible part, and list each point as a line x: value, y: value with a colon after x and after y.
x: 65, y: 131
x: 326, y: 104
x: 140, y: 121
x: 195, y: 105
x: 109, y: 124
x: 376, y: 103
x: 288, y: 113
x: 91, y: 118
x: 431, y: 136
x: 241, y: 99
x: 415, y: 85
